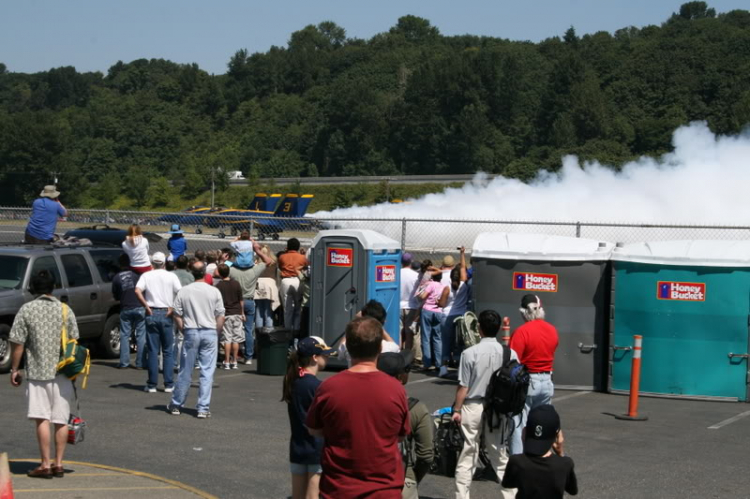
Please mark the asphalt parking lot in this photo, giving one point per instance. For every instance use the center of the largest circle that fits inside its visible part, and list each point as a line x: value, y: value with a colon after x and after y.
x: 242, y: 450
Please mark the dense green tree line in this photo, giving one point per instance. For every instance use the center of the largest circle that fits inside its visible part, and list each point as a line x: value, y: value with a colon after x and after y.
x: 408, y: 101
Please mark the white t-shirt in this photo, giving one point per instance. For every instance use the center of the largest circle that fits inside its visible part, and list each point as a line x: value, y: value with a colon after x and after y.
x: 446, y: 282
x: 386, y: 346
x: 409, y: 283
x: 159, y: 288
x: 138, y: 254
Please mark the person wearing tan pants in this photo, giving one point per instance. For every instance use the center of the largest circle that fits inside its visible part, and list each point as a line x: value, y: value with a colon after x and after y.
x: 474, y: 374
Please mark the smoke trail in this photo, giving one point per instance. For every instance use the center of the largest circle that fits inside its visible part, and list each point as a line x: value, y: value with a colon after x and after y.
x: 703, y: 181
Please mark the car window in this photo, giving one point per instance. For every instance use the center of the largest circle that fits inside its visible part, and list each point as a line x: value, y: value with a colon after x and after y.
x: 12, y: 271
x: 47, y: 263
x: 76, y: 270
x: 106, y: 263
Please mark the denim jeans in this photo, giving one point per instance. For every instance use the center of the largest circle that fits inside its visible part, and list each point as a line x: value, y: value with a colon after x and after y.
x: 133, y: 320
x: 541, y: 390
x: 263, y: 314
x: 160, y: 338
x: 249, y: 326
x: 451, y: 347
x: 432, y: 340
x: 201, y: 344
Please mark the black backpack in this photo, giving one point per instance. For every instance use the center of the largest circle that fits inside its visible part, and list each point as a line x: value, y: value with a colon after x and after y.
x: 506, y: 392
x: 407, y: 445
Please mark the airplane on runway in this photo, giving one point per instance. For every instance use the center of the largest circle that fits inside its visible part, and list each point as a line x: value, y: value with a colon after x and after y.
x: 261, y: 204
x: 267, y: 222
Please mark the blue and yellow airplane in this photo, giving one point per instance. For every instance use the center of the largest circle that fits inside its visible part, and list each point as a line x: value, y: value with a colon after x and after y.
x: 266, y: 215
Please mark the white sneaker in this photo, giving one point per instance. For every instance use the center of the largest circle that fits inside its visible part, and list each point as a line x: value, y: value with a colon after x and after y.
x: 226, y: 367
x: 168, y: 389
x: 149, y: 389
x: 248, y: 362
x: 443, y: 372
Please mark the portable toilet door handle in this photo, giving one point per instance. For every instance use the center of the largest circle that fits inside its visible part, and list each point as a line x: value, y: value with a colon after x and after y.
x: 615, y: 347
x: 349, y: 302
x: 738, y: 355
x: 587, y: 348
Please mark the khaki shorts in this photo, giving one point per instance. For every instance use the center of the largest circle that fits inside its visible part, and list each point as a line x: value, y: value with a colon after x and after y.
x: 233, y: 330
x: 50, y: 400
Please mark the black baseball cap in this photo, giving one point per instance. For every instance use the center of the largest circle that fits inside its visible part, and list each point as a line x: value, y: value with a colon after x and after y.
x: 395, y: 364
x: 542, y: 427
x: 529, y: 299
x: 313, y: 345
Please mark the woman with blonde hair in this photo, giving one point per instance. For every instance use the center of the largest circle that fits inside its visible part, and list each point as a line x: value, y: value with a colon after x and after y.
x: 136, y: 247
x: 267, y: 293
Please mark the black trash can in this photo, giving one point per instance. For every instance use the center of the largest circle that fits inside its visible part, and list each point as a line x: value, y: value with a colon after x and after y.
x: 273, y: 349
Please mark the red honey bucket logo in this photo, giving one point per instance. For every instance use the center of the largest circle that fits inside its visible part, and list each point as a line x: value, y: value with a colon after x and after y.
x: 681, y: 291
x: 340, y: 257
x: 531, y: 281
x: 385, y: 273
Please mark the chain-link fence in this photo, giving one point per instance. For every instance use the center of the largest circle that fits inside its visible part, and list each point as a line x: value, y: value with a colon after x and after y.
x: 424, y: 238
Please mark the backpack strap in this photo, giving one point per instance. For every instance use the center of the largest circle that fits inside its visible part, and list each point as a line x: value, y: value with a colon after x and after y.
x: 64, y: 334
x: 506, y: 355
x: 412, y: 402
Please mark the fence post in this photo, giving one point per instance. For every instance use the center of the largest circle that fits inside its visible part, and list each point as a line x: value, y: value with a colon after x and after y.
x: 578, y: 229
x: 403, y: 235
x: 635, y: 383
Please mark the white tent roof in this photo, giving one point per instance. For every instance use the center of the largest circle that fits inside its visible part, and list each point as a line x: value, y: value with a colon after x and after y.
x: 369, y: 239
x: 514, y: 246
x: 697, y: 252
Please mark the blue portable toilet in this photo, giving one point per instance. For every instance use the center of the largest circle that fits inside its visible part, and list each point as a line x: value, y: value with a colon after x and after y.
x: 690, y: 300
x: 348, y: 268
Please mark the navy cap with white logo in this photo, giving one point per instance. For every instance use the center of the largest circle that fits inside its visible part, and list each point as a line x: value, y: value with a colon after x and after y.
x: 542, y: 427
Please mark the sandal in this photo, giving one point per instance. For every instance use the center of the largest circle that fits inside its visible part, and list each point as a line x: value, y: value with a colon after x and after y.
x: 58, y: 471
x: 40, y: 473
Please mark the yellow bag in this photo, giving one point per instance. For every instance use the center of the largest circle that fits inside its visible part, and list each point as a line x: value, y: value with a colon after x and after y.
x: 74, y: 358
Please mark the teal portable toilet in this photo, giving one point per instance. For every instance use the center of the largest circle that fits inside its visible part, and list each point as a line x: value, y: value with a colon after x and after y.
x: 571, y: 276
x: 348, y: 268
x: 690, y: 300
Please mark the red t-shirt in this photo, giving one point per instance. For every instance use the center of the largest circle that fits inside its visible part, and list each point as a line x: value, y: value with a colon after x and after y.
x: 363, y: 416
x: 535, y: 343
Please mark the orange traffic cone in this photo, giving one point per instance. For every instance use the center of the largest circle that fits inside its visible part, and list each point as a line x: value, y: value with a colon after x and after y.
x: 6, y: 484
x: 506, y: 330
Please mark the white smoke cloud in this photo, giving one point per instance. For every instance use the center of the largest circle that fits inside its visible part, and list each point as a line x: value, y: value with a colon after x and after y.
x: 703, y: 181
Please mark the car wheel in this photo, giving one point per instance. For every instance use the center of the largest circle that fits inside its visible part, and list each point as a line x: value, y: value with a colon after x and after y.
x: 5, y: 359
x: 199, y: 231
x: 222, y: 235
x: 109, y: 343
x: 275, y: 236
x: 261, y: 236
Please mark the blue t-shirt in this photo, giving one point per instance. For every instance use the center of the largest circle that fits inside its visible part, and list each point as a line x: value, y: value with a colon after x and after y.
x: 303, y: 447
x: 44, y: 215
x: 177, y: 245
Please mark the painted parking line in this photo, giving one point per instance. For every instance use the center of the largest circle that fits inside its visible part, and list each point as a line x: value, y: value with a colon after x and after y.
x: 168, y: 483
x: 566, y: 397
x: 97, y: 489
x: 730, y: 420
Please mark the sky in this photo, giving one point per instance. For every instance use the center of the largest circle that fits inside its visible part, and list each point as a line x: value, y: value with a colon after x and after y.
x: 92, y: 35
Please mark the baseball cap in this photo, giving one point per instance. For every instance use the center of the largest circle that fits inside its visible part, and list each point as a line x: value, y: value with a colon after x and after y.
x: 530, y: 299
x: 158, y: 257
x: 448, y: 261
x: 406, y: 258
x: 394, y: 364
x: 313, y: 345
x: 542, y: 426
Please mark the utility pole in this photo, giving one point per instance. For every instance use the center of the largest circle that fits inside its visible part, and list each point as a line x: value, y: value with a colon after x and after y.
x: 213, y: 187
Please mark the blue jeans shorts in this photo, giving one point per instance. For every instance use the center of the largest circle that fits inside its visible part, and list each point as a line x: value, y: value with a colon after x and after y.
x: 303, y: 469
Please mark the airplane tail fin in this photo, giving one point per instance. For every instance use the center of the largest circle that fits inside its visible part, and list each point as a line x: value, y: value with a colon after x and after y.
x: 264, y: 202
x: 294, y: 205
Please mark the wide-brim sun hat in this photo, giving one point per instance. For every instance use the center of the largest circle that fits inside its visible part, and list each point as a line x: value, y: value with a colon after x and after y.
x: 50, y: 191
x: 175, y: 229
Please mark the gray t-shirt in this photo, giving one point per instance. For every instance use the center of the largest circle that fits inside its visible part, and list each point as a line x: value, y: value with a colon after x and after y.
x: 477, y: 365
x: 184, y: 276
x: 248, y: 279
x: 199, y: 304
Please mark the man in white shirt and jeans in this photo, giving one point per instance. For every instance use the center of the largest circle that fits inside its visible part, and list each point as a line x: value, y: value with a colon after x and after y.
x: 199, y: 313
x: 156, y: 291
x: 478, y: 363
x: 409, y: 303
